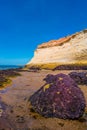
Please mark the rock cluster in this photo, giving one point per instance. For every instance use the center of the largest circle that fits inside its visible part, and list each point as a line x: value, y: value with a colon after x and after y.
x: 60, y: 97
x: 70, y: 67
x: 80, y: 78
x: 5, y: 76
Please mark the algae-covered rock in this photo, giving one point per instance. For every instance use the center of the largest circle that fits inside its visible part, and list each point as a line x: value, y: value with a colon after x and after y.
x: 79, y: 77
x: 61, y: 98
x: 57, y: 79
x: 5, y: 76
x: 4, y: 81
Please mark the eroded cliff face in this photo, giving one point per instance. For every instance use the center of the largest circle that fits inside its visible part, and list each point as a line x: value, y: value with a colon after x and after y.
x: 68, y: 50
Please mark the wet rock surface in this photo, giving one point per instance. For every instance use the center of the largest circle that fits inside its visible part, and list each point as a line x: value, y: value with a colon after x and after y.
x: 5, y: 76
x: 9, y: 72
x: 70, y: 67
x: 79, y: 77
x: 60, y: 78
x: 18, y: 113
x: 4, y: 122
x: 60, y: 97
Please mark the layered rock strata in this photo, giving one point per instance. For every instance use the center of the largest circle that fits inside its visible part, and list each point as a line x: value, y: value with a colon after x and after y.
x: 68, y: 50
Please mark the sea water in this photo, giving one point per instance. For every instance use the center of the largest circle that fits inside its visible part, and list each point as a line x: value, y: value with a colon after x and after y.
x: 4, y: 67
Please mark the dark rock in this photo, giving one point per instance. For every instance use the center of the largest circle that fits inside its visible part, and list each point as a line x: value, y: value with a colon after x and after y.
x: 70, y: 67
x: 5, y: 75
x: 61, y: 124
x: 34, y: 69
x: 80, y: 78
x: 61, y: 98
x: 20, y: 119
x: 56, y: 79
x: 9, y: 73
x: 49, y: 78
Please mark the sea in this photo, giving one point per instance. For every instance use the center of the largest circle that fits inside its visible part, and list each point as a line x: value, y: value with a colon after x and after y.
x: 5, y: 67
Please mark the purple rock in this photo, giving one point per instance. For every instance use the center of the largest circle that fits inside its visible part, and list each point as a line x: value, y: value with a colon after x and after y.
x: 80, y: 78
x: 61, y: 98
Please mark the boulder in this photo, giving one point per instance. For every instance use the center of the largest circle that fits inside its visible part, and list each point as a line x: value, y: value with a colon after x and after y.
x: 60, y: 97
x: 80, y: 78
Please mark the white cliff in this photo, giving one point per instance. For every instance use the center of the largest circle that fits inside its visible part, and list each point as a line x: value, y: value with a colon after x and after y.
x: 68, y: 50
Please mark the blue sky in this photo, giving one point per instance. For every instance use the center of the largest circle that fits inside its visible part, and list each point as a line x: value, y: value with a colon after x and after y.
x: 26, y: 23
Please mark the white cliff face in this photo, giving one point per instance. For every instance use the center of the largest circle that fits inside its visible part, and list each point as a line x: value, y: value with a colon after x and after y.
x: 67, y: 50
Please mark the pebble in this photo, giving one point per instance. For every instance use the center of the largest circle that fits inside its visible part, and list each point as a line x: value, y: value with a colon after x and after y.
x: 1, y: 110
x: 20, y: 119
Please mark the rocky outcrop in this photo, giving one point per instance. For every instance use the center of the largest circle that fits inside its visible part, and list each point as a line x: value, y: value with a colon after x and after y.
x: 68, y: 50
x: 60, y: 97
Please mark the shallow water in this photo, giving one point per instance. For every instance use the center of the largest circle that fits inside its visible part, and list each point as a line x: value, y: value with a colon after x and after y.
x: 6, y: 89
x: 18, y: 116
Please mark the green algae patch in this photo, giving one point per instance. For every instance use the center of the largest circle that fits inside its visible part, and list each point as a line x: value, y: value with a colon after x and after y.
x: 4, y: 82
x: 9, y: 73
x: 5, y: 76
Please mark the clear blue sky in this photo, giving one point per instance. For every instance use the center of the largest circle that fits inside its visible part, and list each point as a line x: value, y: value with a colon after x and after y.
x: 26, y: 23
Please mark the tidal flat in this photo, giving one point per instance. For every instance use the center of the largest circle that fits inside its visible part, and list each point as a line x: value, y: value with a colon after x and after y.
x: 17, y: 111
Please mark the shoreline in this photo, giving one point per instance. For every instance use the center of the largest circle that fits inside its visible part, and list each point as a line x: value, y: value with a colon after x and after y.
x: 18, y: 114
x: 6, y: 77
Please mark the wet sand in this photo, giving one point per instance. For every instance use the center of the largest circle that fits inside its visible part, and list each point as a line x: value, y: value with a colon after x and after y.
x: 17, y: 114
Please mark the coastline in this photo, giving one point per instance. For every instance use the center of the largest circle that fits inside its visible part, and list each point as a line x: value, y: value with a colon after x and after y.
x: 7, y: 67
x: 18, y: 114
x: 6, y: 77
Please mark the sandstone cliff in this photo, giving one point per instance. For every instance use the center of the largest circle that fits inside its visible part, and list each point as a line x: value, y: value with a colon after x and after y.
x: 68, y: 50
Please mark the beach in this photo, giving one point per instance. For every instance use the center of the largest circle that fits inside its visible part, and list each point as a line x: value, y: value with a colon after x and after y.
x: 17, y: 112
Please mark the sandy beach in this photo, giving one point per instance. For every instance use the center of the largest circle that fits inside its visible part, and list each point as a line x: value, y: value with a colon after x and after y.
x: 17, y: 112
